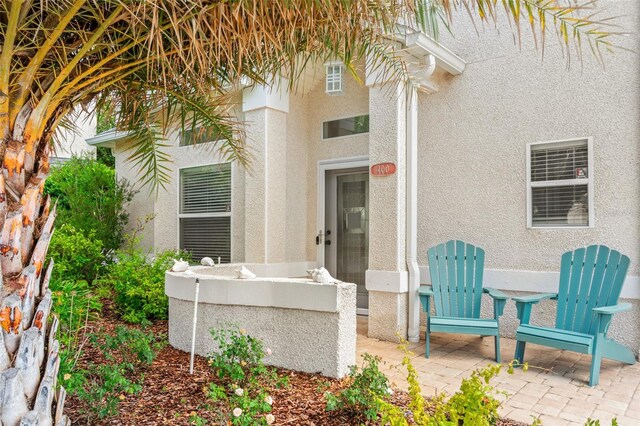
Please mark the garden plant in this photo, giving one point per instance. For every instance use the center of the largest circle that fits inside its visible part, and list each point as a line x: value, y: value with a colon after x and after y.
x: 243, y: 379
x: 160, y: 65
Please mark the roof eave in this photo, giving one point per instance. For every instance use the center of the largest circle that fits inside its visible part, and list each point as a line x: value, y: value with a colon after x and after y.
x: 108, y: 138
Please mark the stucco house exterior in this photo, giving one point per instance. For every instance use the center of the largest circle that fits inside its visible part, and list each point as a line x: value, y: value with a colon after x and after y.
x: 491, y: 145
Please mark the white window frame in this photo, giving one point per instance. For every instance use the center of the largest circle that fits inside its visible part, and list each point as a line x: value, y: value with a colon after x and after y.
x: 322, y: 168
x: 198, y: 215
x: 547, y: 184
x: 334, y: 80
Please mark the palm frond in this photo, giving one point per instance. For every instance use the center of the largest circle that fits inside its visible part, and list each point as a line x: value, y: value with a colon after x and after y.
x: 184, y: 55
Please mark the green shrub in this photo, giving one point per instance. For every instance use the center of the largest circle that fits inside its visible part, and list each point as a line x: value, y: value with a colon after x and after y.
x: 137, y: 285
x: 592, y: 422
x: 473, y: 405
x: 91, y: 199
x: 104, y: 156
x: 238, y: 363
x: 75, y: 304
x: 77, y: 256
x: 134, y: 347
x: 238, y: 358
x: 367, y: 388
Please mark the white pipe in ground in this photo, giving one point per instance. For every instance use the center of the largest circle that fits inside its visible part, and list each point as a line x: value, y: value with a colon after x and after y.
x: 195, y: 321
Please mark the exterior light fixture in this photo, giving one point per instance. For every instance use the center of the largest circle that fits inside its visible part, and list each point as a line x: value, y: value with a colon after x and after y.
x: 334, y: 78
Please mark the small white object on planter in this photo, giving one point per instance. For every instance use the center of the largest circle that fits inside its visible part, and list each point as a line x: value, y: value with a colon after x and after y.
x: 207, y: 261
x: 244, y: 273
x: 180, y: 265
x: 321, y: 275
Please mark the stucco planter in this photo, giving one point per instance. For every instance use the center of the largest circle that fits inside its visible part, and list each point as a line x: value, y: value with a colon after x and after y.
x: 309, y: 327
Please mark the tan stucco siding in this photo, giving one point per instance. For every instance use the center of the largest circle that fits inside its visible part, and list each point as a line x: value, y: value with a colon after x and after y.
x: 143, y: 204
x: 162, y: 232
x: 321, y: 107
x: 473, y: 136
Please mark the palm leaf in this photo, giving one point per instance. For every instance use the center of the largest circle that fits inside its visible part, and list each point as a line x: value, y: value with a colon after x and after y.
x: 57, y: 54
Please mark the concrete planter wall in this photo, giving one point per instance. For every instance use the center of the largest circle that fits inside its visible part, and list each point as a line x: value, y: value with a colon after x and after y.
x: 309, y: 327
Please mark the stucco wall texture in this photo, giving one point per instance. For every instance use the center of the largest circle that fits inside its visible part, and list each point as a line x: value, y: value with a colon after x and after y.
x: 142, y: 206
x: 473, y: 136
x: 387, y: 198
x: 317, y: 108
x: 161, y: 232
x: 302, y: 340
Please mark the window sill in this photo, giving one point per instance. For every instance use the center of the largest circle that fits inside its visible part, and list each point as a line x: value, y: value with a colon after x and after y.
x: 559, y: 227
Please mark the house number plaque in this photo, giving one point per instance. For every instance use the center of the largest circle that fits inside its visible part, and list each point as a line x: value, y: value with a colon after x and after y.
x: 383, y: 169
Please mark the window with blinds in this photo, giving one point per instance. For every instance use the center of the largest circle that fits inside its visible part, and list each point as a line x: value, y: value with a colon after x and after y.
x: 559, y: 184
x: 205, y: 211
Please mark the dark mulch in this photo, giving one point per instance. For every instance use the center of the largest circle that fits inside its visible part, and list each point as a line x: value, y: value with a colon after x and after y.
x: 170, y: 395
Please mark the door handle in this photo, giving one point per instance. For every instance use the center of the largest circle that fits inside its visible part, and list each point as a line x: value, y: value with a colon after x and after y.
x: 327, y: 242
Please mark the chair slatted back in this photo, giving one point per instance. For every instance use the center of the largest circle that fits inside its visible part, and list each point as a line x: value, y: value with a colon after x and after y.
x: 590, y: 277
x: 456, y: 271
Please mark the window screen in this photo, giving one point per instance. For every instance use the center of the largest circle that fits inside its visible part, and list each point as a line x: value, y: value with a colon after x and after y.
x: 559, y: 184
x: 345, y: 127
x: 205, y: 211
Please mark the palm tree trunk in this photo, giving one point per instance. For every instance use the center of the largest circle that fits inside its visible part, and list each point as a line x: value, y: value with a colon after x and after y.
x: 29, y: 358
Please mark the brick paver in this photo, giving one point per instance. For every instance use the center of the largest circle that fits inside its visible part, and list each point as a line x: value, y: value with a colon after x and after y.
x: 557, y: 393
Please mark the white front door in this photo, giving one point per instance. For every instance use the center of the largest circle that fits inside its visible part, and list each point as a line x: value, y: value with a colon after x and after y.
x: 346, y: 229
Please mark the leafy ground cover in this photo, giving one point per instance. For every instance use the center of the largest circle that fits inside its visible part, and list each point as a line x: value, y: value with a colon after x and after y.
x: 169, y: 395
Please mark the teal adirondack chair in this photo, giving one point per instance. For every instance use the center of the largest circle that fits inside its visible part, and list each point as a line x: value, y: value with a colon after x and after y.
x: 456, y: 271
x: 591, y: 280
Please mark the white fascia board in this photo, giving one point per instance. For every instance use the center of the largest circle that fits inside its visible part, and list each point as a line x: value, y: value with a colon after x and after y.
x: 416, y: 48
x: 419, y: 44
x: 107, y: 138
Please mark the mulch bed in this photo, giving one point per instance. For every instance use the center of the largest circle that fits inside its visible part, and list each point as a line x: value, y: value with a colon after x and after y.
x: 170, y: 395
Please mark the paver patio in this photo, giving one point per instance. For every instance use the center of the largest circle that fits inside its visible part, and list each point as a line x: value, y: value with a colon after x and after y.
x: 558, y: 397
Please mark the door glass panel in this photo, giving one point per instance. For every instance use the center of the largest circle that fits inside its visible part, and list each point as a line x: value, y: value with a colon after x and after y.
x: 353, y: 232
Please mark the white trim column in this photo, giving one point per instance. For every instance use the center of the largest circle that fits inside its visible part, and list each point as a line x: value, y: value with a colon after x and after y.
x: 265, y: 112
x: 387, y: 277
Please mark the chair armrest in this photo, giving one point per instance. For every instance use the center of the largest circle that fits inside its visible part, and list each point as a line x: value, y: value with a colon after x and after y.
x: 610, y: 310
x: 535, y: 298
x: 499, y: 301
x: 495, y: 294
x: 425, y: 290
x: 525, y: 303
x: 425, y: 293
x: 605, y: 314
